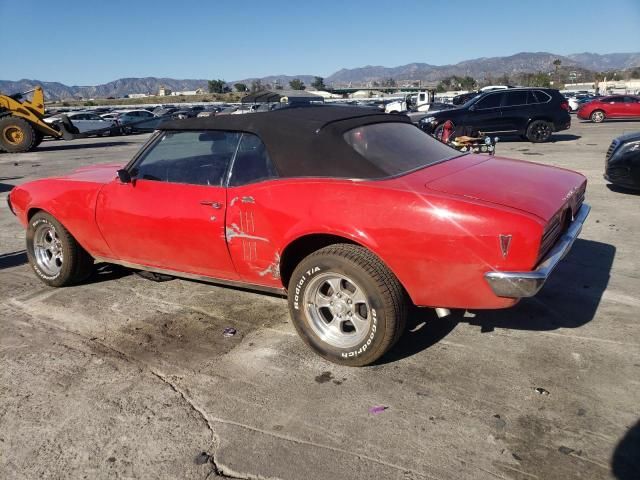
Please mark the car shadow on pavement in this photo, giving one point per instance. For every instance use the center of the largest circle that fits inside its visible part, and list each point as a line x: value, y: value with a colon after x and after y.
x: 625, y: 463
x: 13, y: 259
x: 106, y: 272
x: 74, y: 146
x: 556, y: 137
x: 564, y: 137
x: 569, y: 299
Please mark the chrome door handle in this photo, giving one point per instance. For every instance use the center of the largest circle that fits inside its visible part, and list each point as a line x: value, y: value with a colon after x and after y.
x: 211, y: 203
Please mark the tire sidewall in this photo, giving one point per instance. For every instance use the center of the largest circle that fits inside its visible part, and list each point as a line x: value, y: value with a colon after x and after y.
x: 28, y: 131
x: 62, y: 276
x: 306, y: 271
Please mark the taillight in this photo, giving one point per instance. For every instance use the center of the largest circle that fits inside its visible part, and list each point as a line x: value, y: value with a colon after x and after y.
x: 565, y: 106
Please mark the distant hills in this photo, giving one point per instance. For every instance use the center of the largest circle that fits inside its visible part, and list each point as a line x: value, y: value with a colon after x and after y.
x: 117, y: 88
x: 478, y: 68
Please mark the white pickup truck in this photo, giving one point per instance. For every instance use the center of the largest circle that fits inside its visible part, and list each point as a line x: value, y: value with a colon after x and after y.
x: 414, y: 102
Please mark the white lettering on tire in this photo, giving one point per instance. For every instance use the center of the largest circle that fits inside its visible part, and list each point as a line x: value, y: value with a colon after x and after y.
x: 301, y: 282
x: 363, y: 348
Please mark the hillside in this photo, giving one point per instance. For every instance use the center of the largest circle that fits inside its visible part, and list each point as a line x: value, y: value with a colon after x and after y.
x: 478, y: 68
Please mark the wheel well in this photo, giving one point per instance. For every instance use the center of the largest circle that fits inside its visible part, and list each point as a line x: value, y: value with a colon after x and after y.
x: 545, y: 119
x: 293, y: 254
x: 32, y: 212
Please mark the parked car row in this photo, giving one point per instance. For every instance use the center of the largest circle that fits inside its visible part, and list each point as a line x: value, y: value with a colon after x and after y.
x: 86, y: 122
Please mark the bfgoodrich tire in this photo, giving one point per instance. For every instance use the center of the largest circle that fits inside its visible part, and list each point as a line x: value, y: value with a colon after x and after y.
x: 55, y: 256
x: 347, y: 305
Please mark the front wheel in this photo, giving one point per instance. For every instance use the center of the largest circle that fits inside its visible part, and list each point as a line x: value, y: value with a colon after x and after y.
x: 347, y: 305
x: 597, y: 116
x: 16, y: 135
x: 55, y: 256
x: 539, y: 131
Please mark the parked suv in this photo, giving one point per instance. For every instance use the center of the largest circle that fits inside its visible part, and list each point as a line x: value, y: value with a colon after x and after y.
x: 533, y: 113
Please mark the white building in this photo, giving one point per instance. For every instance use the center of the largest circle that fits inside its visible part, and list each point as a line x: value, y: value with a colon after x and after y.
x: 199, y: 91
x: 137, y: 95
x: 607, y: 87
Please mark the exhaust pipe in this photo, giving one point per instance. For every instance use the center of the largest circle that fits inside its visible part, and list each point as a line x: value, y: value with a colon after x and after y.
x: 442, y: 312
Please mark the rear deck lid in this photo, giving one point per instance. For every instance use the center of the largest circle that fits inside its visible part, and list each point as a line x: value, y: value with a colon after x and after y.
x: 537, y: 189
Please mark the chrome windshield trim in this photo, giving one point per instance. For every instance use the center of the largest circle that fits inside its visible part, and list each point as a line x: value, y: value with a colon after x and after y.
x: 527, y: 284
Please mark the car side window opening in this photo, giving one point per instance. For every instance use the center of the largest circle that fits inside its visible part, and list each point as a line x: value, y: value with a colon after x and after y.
x: 490, y: 101
x: 519, y: 97
x: 252, y: 162
x: 541, y: 96
x: 192, y: 157
x: 616, y: 100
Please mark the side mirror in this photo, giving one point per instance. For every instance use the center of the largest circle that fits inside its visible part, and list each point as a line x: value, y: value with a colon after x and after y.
x: 124, y: 176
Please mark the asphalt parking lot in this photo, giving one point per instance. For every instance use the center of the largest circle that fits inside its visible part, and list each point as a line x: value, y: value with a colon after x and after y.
x: 122, y: 377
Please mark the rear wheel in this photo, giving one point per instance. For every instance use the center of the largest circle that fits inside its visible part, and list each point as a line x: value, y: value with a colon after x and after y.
x: 597, y: 116
x: 55, y: 256
x: 346, y: 304
x: 16, y: 135
x: 539, y: 131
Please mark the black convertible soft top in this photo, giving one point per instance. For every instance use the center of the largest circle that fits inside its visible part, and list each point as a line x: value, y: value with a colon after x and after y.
x: 303, y: 141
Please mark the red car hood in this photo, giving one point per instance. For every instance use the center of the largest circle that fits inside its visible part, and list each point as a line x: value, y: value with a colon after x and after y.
x: 538, y: 189
x: 102, y: 173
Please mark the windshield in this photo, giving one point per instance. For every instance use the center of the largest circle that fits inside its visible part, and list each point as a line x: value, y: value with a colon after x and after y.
x: 471, y: 101
x: 398, y: 148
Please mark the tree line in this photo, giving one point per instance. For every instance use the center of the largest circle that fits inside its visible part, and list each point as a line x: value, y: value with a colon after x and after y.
x: 220, y: 86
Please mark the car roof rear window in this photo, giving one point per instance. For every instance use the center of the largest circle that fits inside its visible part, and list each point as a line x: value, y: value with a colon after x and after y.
x: 397, y: 148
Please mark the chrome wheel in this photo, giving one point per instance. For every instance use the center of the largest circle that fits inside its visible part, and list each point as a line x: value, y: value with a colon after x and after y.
x: 338, y: 310
x: 47, y: 249
x: 597, y: 116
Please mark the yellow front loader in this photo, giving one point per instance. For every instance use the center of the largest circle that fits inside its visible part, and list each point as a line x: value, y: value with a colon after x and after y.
x: 22, y: 127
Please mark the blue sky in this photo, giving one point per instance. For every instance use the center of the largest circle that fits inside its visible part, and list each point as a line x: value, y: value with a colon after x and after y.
x: 90, y: 42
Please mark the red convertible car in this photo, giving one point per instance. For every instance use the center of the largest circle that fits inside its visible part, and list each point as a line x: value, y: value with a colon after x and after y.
x: 355, y: 215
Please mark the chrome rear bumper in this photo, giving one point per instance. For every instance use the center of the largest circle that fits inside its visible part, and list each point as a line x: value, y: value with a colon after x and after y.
x: 527, y: 284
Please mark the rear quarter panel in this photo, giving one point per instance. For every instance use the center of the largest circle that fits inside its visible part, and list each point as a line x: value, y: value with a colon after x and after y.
x: 438, y: 246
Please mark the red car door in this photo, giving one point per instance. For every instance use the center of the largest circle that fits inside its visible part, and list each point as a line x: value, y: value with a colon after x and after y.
x: 252, y: 236
x: 615, y: 107
x: 632, y: 106
x: 172, y: 214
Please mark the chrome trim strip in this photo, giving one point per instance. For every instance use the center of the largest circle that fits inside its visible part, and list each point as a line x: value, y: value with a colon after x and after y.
x: 527, y: 284
x: 191, y: 276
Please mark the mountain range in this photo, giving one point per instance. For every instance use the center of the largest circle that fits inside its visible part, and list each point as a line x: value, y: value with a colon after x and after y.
x: 478, y: 68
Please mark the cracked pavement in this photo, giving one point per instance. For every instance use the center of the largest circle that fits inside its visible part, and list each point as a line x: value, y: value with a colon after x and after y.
x: 122, y: 377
